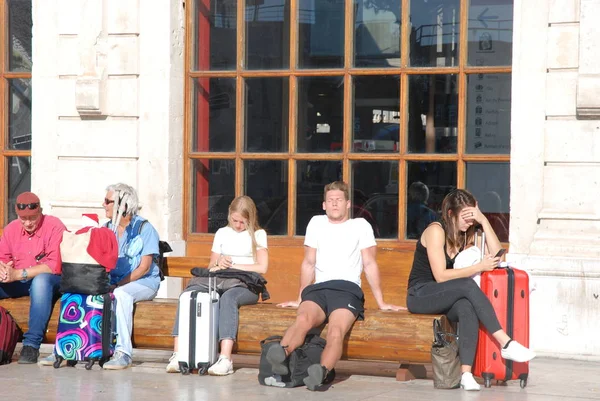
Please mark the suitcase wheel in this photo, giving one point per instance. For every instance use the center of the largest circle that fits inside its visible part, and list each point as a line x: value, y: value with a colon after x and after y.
x: 202, y: 369
x: 58, y: 361
x: 523, y: 383
x: 89, y: 364
x: 71, y: 363
x: 184, y: 368
x: 487, y: 382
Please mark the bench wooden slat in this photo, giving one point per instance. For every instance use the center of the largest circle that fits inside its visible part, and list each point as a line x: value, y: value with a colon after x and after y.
x: 382, y: 336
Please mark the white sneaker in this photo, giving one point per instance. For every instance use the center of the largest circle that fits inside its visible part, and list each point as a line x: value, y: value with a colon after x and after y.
x: 468, y: 383
x: 516, y: 352
x: 48, y: 361
x: 223, y: 367
x: 173, y: 366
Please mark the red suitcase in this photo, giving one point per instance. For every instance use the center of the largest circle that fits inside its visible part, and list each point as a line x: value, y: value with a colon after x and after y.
x: 508, y: 290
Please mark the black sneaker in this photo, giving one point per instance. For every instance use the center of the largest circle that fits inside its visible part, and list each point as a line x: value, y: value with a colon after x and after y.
x: 276, y: 357
x: 29, y: 355
x: 317, y: 376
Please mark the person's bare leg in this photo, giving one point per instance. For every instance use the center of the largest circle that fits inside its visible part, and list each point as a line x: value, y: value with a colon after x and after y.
x: 175, y: 343
x: 340, y: 321
x: 309, y: 315
x: 226, y: 348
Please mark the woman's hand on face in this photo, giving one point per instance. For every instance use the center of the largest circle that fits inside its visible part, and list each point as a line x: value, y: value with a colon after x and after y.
x: 472, y: 213
x: 489, y: 263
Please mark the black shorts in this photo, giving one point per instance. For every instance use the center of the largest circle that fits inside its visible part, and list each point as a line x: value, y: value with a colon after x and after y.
x: 336, y: 294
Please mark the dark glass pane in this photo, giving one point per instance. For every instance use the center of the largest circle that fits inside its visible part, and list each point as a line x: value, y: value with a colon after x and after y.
x: 490, y: 32
x: 266, y: 182
x: 428, y: 184
x: 267, y: 27
x: 488, y: 113
x: 215, y: 35
x: 311, y: 178
x: 320, y: 114
x: 19, y: 35
x: 375, y: 196
x: 377, y: 33
x: 432, y: 113
x: 376, y: 121
x: 267, y: 115
x: 318, y: 20
x: 490, y: 184
x: 19, y: 114
x: 434, y: 33
x: 213, y: 189
x: 214, y: 115
x: 19, y: 180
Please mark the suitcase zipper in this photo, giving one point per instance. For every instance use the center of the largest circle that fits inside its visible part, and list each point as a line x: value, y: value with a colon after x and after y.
x: 510, y: 318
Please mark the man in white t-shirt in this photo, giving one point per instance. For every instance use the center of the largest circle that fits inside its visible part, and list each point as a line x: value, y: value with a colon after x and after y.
x: 336, y: 249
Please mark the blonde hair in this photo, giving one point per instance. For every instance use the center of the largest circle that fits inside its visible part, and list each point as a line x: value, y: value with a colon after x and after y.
x: 452, y: 204
x: 245, y: 206
x: 336, y: 186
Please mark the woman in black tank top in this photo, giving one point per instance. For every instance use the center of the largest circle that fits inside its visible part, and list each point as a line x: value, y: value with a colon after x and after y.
x: 435, y: 287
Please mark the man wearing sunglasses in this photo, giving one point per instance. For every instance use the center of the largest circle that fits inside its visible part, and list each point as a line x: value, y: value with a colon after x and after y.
x: 30, y: 264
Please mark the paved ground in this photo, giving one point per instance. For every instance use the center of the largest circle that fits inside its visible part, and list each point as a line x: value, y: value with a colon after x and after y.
x: 550, y: 380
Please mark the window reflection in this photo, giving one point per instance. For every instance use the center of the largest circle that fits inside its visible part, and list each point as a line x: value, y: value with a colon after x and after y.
x: 19, y: 114
x: 311, y: 178
x: 490, y: 32
x: 377, y: 33
x: 266, y: 115
x: 19, y: 180
x: 492, y: 194
x: 488, y: 113
x: 267, y: 34
x: 432, y: 113
x: 213, y: 189
x: 375, y: 196
x: 317, y: 20
x: 376, y: 113
x: 215, y: 24
x: 434, y: 40
x: 266, y: 182
x: 19, y: 35
x: 320, y: 111
x: 214, y: 122
x: 428, y: 184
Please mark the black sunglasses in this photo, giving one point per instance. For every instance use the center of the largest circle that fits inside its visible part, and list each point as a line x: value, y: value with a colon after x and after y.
x: 108, y: 201
x: 30, y: 206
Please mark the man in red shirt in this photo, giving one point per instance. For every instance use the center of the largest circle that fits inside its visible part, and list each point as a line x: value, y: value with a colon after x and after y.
x: 30, y: 264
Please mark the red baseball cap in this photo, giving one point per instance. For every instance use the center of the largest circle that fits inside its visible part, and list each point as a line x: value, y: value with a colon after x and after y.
x: 28, y: 204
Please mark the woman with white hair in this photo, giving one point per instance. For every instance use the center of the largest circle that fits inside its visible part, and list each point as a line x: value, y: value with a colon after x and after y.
x: 136, y: 277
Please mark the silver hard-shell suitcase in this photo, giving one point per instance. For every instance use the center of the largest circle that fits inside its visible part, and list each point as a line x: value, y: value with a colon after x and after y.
x: 198, y: 329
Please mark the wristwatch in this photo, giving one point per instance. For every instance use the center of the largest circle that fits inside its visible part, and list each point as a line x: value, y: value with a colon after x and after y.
x: 24, y: 275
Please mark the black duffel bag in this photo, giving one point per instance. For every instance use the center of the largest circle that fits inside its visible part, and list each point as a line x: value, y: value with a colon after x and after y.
x: 299, y: 361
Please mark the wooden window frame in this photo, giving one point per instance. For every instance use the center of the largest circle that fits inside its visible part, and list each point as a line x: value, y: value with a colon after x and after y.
x: 346, y: 156
x: 5, y: 75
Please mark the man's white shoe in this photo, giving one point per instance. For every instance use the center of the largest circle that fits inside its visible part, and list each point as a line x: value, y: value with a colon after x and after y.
x: 223, y: 367
x: 468, y: 383
x: 173, y: 366
x: 516, y: 352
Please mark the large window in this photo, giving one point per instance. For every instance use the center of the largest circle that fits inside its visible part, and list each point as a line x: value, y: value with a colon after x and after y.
x: 15, y: 104
x: 403, y: 99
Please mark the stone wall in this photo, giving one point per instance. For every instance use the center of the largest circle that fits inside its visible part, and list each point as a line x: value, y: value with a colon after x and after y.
x: 555, y: 170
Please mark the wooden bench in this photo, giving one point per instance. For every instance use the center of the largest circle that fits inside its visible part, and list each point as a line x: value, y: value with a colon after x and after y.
x: 388, y: 336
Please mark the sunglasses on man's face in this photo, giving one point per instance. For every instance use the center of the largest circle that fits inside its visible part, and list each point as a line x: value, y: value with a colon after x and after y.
x: 30, y: 206
x: 108, y: 201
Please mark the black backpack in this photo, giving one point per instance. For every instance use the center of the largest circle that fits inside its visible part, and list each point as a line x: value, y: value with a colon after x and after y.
x: 299, y: 361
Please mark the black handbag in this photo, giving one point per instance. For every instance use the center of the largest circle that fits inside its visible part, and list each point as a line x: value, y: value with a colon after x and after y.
x: 444, y: 358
